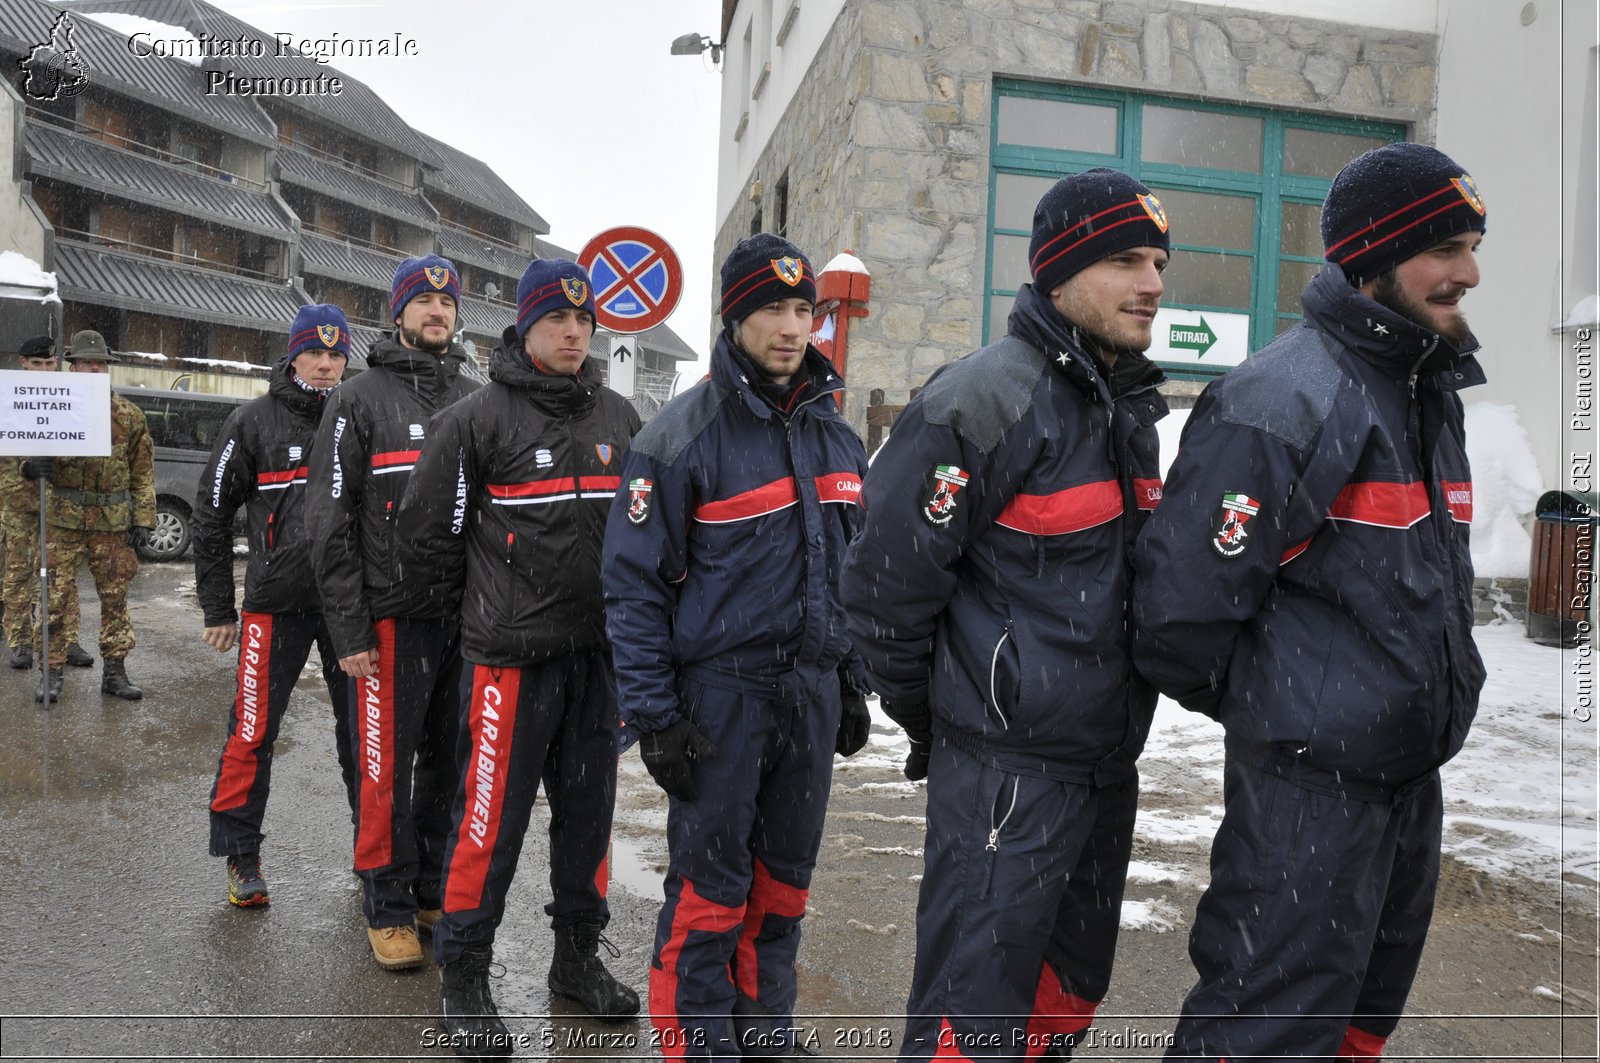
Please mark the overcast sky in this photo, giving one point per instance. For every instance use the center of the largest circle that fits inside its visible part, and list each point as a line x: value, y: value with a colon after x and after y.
x: 577, y: 105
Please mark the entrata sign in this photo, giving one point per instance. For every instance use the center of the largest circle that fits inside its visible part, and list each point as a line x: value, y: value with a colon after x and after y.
x: 1195, y: 339
x: 51, y: 415
x: 637, y: 278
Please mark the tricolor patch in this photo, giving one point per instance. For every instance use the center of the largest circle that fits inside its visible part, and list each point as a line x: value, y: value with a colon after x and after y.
x: 1230, y: 528
x: 639, y: 500
x: 788, y: 269
x: 576, y: 290
x: 945, y: 483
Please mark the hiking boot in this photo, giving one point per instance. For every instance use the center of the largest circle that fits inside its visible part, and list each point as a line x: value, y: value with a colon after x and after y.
x: 470, y: 1018
x: 22, y: 656
x: 395, y: 947
x: 79, y: 657
x: 50, y: 687
x: 577, y: 973
x: 426, y: 917
x: 114, y: 681
x: 247, y: 887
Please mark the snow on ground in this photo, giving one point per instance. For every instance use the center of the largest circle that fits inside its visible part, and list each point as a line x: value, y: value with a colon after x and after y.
x: 1520, y: 799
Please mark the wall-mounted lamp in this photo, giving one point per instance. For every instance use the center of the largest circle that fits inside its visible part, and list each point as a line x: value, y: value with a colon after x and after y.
x: 695, y: 44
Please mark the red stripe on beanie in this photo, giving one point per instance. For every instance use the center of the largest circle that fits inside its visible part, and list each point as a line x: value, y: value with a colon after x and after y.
x: 1093, y: 217
x: 1404, y: 228
x: 1039, y: 266
x: 734, y: 293
x: 1409, y: 206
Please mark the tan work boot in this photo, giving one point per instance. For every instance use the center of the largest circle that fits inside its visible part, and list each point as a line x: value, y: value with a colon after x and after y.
x: 395, y: 947
x: 426, y: 917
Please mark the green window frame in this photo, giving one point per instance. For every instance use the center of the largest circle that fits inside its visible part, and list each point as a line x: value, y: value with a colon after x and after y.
x: 1276, y: 276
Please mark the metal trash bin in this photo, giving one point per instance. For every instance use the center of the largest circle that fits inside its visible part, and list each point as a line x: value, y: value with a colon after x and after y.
x: 1561, y: 567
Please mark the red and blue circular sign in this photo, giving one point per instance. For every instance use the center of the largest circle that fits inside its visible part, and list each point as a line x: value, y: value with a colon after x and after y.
x: 637, y: 278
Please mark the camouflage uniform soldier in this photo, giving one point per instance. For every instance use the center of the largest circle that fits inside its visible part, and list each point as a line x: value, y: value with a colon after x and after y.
x: 19, y: 529
x: 99, y: 507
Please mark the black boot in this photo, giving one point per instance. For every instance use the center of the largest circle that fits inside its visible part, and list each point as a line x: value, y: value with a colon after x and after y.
x: 79, y: 657
x: 114, y: 681
x: 577, y: 973
x: 22, y: 657
x: 471, y: 1020
x: 50, y: 686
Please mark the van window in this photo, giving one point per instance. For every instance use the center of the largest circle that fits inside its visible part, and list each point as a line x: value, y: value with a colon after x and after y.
x: 183, y: 423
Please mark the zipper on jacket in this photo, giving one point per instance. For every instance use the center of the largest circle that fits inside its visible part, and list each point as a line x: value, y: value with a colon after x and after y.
x: 994, y: 663
x: 992, y: 846
x: 1414, y: 409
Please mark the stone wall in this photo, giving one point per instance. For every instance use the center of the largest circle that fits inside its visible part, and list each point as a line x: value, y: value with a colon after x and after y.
x: 887, y: 142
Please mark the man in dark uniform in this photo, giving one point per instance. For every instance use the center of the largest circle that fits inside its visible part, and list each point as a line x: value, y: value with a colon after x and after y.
x: 988, y: 594
x: 509, y: 502
x: 261, y: 462
x: 99, y: 509
x: 395, y: 633
x: 721, y: 566
x: 1308, y: 582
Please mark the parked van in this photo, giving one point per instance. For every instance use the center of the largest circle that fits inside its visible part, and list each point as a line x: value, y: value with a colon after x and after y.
x: 183, y: 427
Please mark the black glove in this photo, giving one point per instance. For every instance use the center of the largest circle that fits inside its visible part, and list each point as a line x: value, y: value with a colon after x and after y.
x: 669, y: 757
x: 917, y: 722
x: 855, y: 723
x: 38, y: 468
x: 137, y: 536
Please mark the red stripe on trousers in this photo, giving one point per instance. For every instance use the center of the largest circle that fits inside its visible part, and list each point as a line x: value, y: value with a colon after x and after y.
x: 693, y: 912
x: 1055, y: 1011
x: 1381, y: 504
x: 373, y: 739
x: 491, y: 724
x: 238, y: 772
x: 1361, y: 1046
x: 1070, y: 510
x: 602, y: 875
x: 768, y: 896
x: 946, y: 1044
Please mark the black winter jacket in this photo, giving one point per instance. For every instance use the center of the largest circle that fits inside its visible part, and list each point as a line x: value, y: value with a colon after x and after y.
x: 260, y: 461
x: 991, y: 578
x: 508, y: 503
x: 367, y: 444
x: 1307, y: 578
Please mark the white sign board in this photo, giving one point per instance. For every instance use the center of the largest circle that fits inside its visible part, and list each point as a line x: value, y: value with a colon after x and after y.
x: 1201, y: 338
x: 624, y: 352
x: 55, y: 414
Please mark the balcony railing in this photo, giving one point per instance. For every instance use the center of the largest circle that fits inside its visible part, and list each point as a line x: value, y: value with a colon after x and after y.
x: 166, y: 254
x: 345, y: 164
x: 149, y: 151
x: 346, y: 238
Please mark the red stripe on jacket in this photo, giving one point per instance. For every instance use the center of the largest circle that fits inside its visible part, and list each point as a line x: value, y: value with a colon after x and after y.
x: 395, y: 457
x: 286, y: 476
x: 1381, y: 505
x: 554, y: 486
x: 1060, y: 512
x: 756, y: 502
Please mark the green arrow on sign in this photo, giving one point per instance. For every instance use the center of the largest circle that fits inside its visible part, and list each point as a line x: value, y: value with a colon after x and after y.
x: 1190, y: 338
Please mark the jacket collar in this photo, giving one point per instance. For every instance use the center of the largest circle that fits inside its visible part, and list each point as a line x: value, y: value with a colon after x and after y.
x: 510, y: 365
x: 281, y: 386
x: 732, y: 368
x: 1385, y: 339
x: 1036, y: 321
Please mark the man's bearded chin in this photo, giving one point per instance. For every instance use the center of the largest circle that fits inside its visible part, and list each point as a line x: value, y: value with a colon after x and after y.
x: 1386, y: 292
x: 414, y: 339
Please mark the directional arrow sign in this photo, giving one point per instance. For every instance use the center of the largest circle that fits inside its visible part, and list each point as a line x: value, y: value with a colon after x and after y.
x: 1192, y: 338
x: 637, y: 278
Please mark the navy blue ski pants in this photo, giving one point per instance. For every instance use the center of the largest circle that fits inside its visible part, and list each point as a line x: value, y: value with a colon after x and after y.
x: 273, y: 648
x: 554, y: 722
x: 739, y: 872
x: 1308, y: 939
x: 1019, y: 909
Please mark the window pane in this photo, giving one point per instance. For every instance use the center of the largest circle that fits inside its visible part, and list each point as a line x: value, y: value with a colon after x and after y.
x: 999, y: 311
x: 1319, y: 154
x: 1015, y: 196
x: 1058, y: 124
x: 1010, y: 264
x: 1210, y: 220
x: 1196, y: 279
x: 1301, y: 232
x: 1285, y: 324
x: 1292, y: 280
x: 1202, y: 138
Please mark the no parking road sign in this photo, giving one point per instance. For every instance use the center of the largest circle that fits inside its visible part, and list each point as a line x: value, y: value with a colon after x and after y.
x: 637, y: 279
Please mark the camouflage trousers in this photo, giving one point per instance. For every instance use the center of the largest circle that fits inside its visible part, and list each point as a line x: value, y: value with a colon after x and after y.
x: 113, y: 565
x: 20, y: 588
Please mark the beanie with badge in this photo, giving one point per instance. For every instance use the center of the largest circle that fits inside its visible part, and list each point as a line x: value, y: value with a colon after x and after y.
x: 319, y: 326
x: 760, y: 270
x: 552, y: 284
x: 429, y: 273
x: 1088, y: 216
x: 1394, y: 202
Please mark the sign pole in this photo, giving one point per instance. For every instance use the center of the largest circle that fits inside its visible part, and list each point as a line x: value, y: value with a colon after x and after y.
x: 44, y: 600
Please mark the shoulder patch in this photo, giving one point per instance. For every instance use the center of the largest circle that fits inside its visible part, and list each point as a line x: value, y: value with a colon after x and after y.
x: 940, y: 499
x: 1230, y: 527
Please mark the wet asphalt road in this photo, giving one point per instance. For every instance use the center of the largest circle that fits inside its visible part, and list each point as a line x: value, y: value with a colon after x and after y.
x: 120, y: 943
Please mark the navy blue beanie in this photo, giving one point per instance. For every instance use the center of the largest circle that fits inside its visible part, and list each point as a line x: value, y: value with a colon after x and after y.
x: 319, y: 326
x: 1088, y: 216
x: 760, y: 270
x: 430, y: 273
x: 552, y: 284
x: 1395, y: 202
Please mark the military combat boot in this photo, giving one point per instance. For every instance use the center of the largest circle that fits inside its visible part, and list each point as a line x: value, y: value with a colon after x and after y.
x: 114, y: 681
x: 50, y: 686
x: 577, y: 973
x: 22, y: 657
x: 470, y: 1018
x: 79, y: 657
